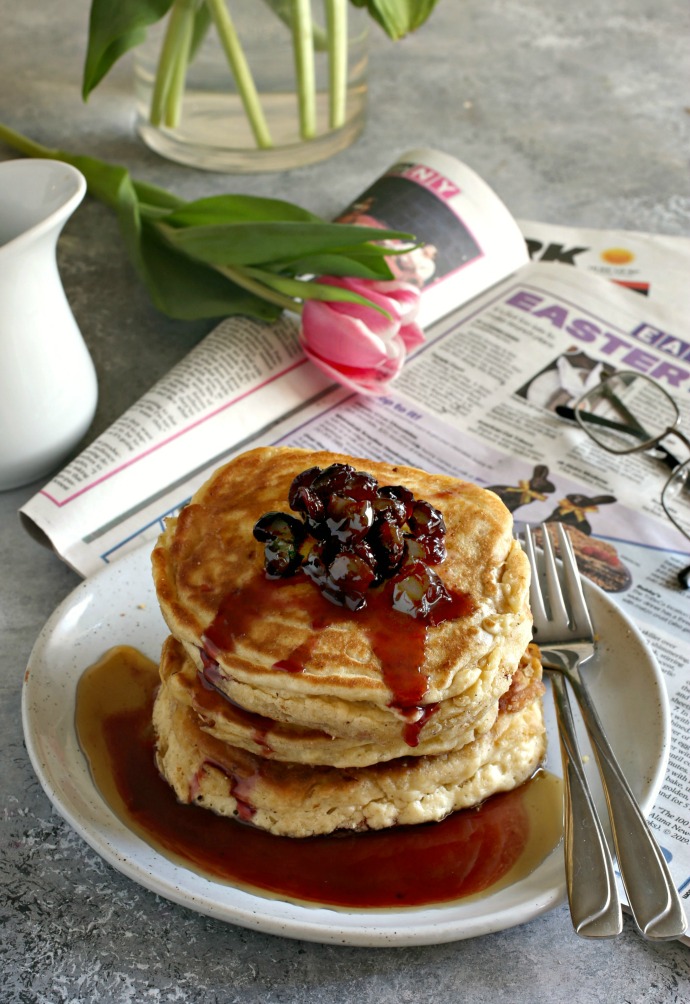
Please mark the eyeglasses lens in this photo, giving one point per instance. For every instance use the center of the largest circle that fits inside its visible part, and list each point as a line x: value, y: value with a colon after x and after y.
x: 627, y: 411
x: 676, y: 498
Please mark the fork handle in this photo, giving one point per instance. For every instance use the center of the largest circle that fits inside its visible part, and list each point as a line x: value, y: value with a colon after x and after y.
x: 592, y: 894
x: 652, y: 895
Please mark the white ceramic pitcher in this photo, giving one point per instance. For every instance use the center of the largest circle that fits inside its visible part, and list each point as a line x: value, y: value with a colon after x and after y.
x: 48, y: 387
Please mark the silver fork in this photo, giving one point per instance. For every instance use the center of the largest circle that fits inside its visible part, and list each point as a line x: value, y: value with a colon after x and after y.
x: 565, y: 636
x: 595, y: 907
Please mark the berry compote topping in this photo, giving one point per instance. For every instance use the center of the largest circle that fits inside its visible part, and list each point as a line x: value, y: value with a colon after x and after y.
x: 354, y: 535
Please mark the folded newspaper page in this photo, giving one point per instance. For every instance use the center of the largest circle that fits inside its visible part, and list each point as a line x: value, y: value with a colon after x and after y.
x: 508, y: 341
x: 655, y: 265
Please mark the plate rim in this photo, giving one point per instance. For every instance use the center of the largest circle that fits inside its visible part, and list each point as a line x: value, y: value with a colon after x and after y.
x: 434, y: 924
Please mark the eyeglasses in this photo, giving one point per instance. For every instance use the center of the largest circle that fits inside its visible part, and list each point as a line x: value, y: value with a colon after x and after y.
x: 631, y: 413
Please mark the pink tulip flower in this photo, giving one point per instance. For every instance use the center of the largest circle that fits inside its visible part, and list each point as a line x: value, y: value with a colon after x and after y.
x: 357, y: 345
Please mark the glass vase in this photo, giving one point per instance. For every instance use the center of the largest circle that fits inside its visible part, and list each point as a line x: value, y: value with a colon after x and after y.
x: 272, y: 85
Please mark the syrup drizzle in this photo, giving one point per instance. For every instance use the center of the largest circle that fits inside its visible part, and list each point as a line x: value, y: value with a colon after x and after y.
x: 467, y: 854
x: 412, y: 729
x: 398, y: 640
x: 210, y: 701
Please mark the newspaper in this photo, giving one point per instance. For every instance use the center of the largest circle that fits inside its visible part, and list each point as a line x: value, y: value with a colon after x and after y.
x: 655, y: 265
x: 508, y: 339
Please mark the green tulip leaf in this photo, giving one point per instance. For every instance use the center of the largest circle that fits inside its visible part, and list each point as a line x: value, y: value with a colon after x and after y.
x: 398, y: 17
x: 156, y: 201
x: 252, y: 243
x: 188, y: 290
x: 114, y: 28
x: 334, y: 264
x: 219, y: 209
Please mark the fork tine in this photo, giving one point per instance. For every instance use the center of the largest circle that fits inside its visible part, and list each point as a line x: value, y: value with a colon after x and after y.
x: 559, y: 611
x: 579, y: 613
x: 535, y: 594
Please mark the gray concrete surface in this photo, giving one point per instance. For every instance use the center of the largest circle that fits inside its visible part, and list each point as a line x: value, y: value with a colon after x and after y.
x: 574, y: 113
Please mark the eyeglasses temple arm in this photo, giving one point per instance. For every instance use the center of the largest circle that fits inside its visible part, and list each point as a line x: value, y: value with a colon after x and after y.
x: 660, y: 451
x: 632, y: 422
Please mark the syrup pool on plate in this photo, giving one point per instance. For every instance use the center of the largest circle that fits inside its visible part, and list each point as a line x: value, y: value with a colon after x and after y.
x: 471, y: 853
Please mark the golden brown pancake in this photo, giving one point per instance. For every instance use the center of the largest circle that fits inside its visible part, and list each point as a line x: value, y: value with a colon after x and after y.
x: 282, y: 644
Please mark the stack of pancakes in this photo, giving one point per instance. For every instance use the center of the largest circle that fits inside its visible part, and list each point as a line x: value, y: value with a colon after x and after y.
x: 279, y: 708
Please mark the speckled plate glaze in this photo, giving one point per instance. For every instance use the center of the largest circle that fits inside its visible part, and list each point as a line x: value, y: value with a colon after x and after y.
x: 118, y: 606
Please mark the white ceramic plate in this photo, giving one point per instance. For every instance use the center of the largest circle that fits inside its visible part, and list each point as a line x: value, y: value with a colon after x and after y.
x: 118, y: 606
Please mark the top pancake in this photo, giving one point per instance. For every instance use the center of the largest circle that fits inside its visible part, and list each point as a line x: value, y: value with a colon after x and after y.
x: 284, y: 638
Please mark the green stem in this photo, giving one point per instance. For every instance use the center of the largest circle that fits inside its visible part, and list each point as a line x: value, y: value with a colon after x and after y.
x: 283, y: 9
x: 305, y: 289
x: 25, y: 145
x: 242, y: 278
x: 168, y: 86
x: 103, y: 180
x: 173, y: 104
x: 303, y: 45
x: 336, y: 23
x: 240, y: 68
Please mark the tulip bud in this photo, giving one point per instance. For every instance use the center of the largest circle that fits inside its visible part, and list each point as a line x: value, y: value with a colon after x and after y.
x: 357, y: 345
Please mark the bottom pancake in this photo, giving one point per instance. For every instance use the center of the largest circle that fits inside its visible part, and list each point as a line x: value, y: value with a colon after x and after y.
x: 298, y: 800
